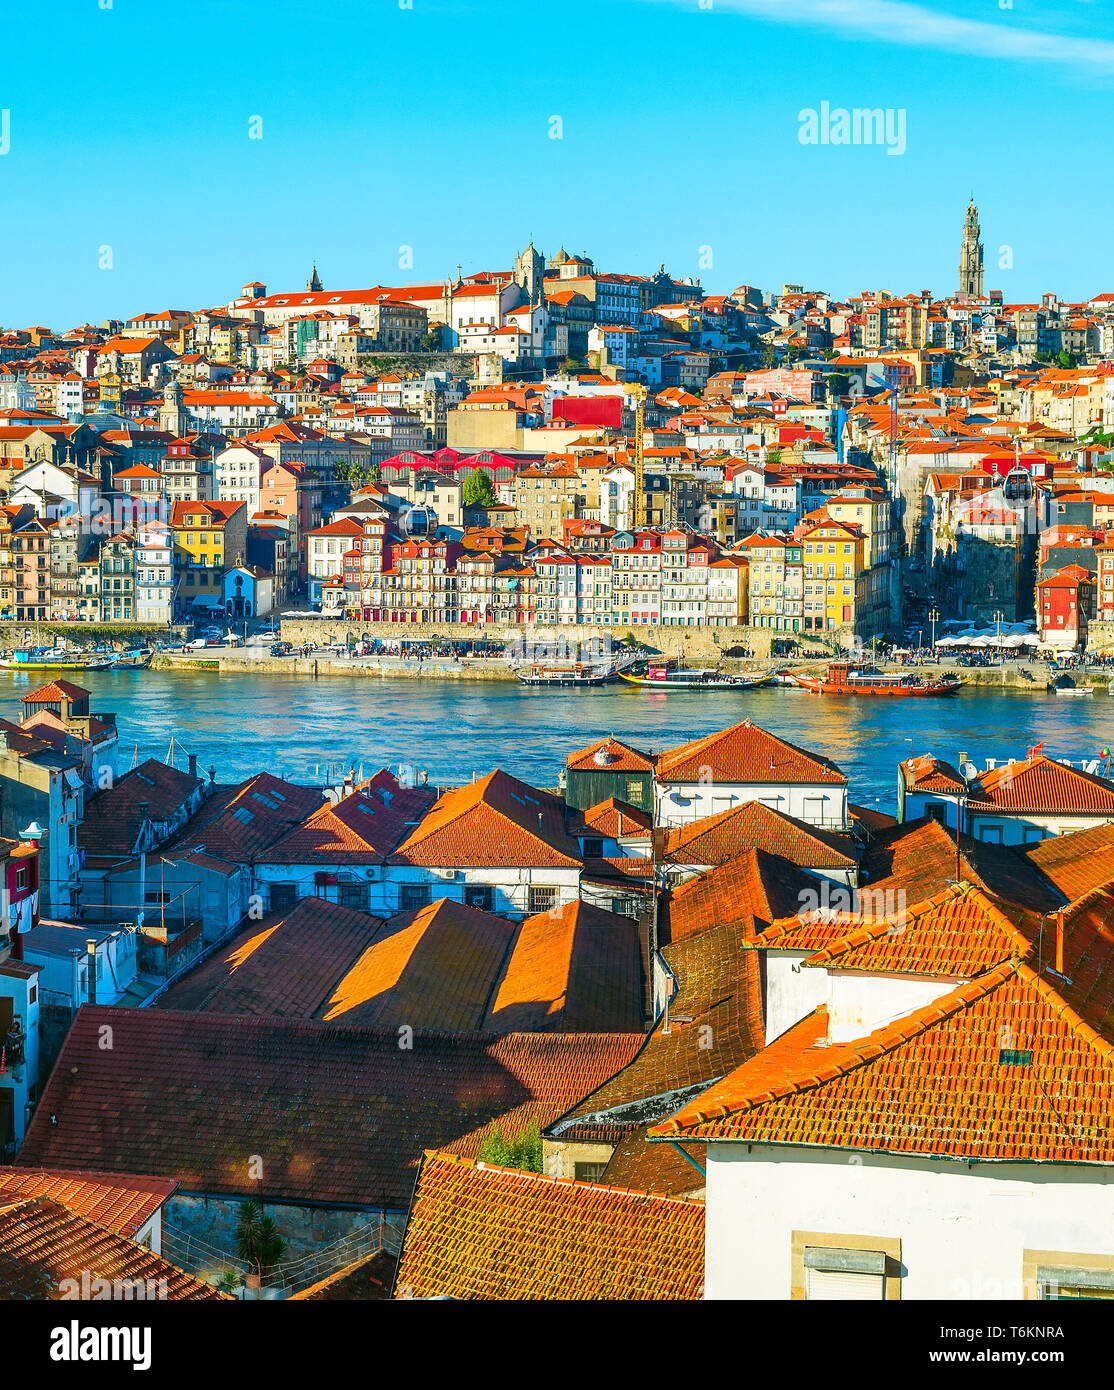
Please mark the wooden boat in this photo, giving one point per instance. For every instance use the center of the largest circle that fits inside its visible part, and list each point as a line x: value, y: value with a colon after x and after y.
x: 844, y: 678
x: 577, y: 673
x: 37, y: 659
x: 693, y: 678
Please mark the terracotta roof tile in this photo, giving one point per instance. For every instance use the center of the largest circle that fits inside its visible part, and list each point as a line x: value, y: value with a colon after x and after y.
x: 573, y: 969
x: 716, y: 839
x: 745, y: 753
x: 122, y: 1202
x: 612, y: 819
x: 939, y: 1081
x: 1041, y: 784
x: 113, y: 819
x: 432, y: 968
x: 755, y: 887
x: 236, y: 823
x: 343, y: 1113
x: 495, y: 821
x: 285, y: 966
x: 43, y: 1244
x: 479, y: 1232
x: 611, y: 756
x: 1076, y: 863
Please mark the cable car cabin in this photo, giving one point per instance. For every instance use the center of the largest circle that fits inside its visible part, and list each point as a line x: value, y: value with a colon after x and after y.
x: 1018, y: 486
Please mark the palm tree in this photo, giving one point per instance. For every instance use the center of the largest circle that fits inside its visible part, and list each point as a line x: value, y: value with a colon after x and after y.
x: 258, y: 1242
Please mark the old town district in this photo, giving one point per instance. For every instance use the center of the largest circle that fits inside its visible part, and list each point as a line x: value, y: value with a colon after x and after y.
x: 559, y: 445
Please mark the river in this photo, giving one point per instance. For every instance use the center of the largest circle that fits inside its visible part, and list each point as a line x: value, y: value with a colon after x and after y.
x: 241, y: 723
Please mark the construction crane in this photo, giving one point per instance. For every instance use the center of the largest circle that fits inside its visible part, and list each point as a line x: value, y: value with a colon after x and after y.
x: 639, y: 458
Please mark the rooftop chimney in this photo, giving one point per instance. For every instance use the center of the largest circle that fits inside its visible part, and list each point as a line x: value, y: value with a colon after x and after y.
x: 1060, y: 942
x: 193, y: 766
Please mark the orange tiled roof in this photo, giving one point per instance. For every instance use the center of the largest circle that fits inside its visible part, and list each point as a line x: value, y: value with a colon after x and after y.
x: 43, y: 1245
x: 1076, y: 863
x: 755, y: 886
x: 575, y: 969
x: 929, y: 774
x: 940, y: 1081
x: 480, y: 1232
x: 432, y: 968
x: 611, y: 819
x: 716, y: 839
x: 745, y: 753
x: 495, y: 821
x: 122, y: 1202
x: 343, y: 1113
x: 615, y: 757
x: 1041, y: 784
x: 958, y: 933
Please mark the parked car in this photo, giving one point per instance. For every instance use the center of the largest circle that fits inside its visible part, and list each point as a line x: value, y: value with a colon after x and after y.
x: 281, y: 648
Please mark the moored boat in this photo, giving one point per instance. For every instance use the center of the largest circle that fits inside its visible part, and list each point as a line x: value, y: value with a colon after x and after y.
x: 692, y: 678
x: 41, y: 659
x: 844, y: 678
x: 576, y: 673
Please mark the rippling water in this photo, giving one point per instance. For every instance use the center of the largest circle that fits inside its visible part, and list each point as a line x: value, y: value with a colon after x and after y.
x: 293, y: 725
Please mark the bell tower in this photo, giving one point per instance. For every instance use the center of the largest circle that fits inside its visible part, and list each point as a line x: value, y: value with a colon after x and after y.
x: 971, y: 255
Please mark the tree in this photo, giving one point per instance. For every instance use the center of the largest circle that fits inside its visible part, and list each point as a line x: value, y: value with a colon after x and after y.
x: 431, y: 340
x: 478, y: 490
x: 523, y: 1150
x: 839, y: 383
x: 258, y: 1242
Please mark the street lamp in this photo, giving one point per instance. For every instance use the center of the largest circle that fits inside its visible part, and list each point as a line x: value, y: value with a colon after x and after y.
x: 933, y: 615
x: 998, y: 617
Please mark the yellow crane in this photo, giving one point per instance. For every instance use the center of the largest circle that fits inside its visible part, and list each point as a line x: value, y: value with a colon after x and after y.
x: 639, y: 458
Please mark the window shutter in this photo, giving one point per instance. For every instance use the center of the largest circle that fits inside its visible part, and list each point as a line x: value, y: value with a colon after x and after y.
x: 830, y: 1285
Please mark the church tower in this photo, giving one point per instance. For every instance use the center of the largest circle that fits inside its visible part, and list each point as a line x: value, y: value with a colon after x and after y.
x: 529, y: 272
x: 970, y: 257
x: 313, y: 284
x: 172, y: 415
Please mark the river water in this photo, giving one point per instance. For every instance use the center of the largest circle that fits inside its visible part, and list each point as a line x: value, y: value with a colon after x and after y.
x: 305, y: 729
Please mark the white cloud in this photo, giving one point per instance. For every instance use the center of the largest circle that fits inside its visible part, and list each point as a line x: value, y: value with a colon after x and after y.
x: 895, y: 21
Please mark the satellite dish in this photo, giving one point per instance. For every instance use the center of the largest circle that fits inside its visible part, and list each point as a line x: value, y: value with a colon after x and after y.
x: 969, y: 771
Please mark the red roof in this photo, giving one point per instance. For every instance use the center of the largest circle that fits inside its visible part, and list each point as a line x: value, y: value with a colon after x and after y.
x: 481, y: 1232
x: 744, y: 754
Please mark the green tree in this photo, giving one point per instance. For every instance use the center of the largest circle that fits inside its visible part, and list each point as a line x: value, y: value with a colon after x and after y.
x: 258, y: 1242
x: 479, y: 490
x: 431, y: 340
x: 839, y: 383
x: 773, y: 458
x: 522, y: 1150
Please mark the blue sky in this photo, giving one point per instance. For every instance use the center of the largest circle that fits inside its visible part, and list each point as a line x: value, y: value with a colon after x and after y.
x: 429, y: 127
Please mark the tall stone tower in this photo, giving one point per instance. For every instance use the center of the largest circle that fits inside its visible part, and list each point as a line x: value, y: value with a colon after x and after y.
x: 313, y: 284
x: 970, y: 257
x: 172, y: 415
x: 529, y: 272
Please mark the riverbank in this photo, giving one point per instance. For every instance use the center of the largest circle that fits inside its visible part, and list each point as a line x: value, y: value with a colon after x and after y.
x: 1035, y: 677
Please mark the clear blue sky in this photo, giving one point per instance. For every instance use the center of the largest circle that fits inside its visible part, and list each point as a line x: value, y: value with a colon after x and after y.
x: 429, y: 127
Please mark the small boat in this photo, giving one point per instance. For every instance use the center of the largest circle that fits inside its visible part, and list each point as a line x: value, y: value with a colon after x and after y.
x: 1076, y: 690
x: 135, y: 659
x: 40, y: 659
x: 577, y: 673
x: 692, y: 678
x: 844, y: 678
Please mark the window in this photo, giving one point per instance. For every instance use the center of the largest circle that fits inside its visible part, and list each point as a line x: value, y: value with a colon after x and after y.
x: 593, y: 849
x: 542, y: 898
x: 353, y: 895
x: 480, y: 895
x: 845, y: 1268
x: 283, y: 896
x: 634, y: 793
x: 412, y: 896
x: 588, y: 1172
x: 1056, y: 1274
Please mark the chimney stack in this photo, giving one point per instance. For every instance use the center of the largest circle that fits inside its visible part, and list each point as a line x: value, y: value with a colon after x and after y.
x: 91, y: 949
x: 1060, y: 942
x: 193, y: 766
